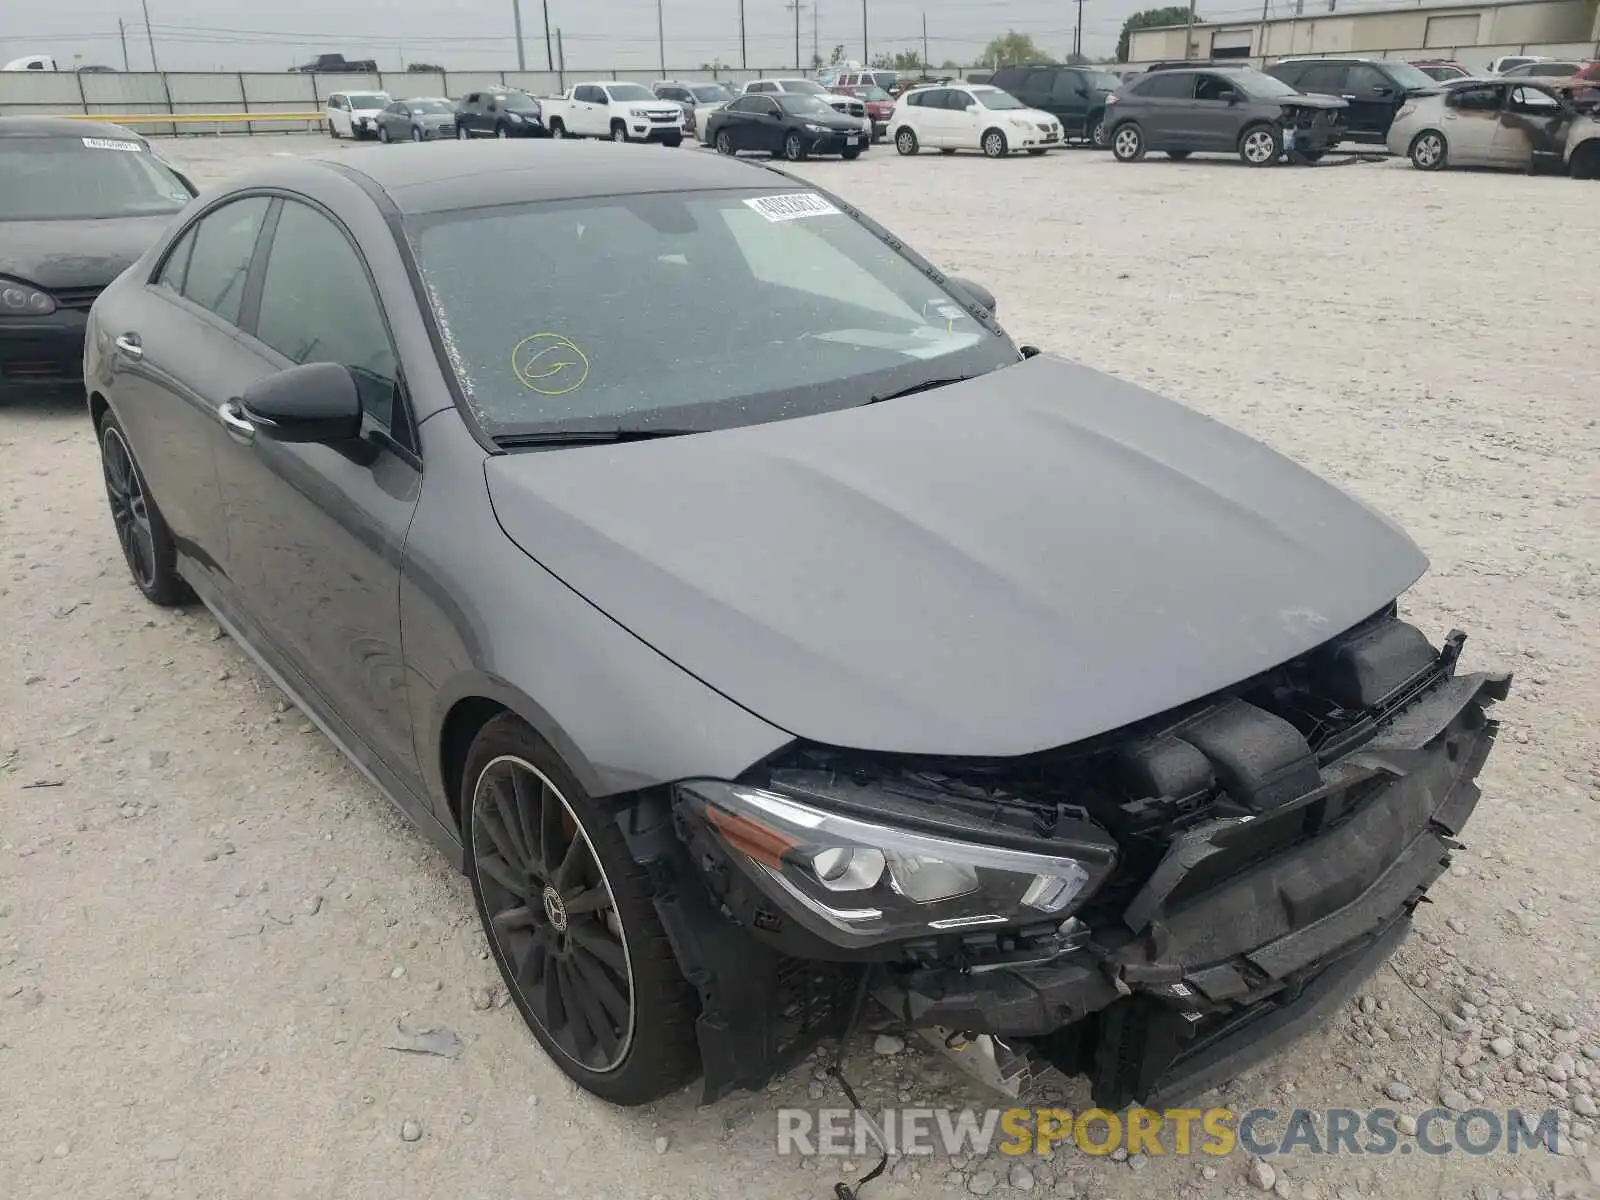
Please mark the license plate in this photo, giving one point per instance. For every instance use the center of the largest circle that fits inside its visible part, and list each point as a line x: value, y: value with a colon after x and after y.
x: 1049, y: 137
x: 851, y: 140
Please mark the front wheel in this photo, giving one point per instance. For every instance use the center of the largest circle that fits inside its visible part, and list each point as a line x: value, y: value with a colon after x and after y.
x: 1586, y: 161
x: 1127, y: 143
x: 906, y: 142
x: 1260, y: 146
x: 383, y: 134
x: 148, y: 546
x: 333, y: 131
x: 571, y: 923
x: 558, y: 129
x: 724, y: 143
x: 1428, y: 150
x: 794, y: 147
x: 461, y: 133
x: 619, y: 132
x: 994, y: 144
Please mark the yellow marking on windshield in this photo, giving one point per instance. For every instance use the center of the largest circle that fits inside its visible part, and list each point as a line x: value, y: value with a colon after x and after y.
x: 550, y: 364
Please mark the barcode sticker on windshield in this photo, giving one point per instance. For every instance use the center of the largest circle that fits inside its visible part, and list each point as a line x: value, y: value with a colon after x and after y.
x: 792, y: 206
x: 112, y: 144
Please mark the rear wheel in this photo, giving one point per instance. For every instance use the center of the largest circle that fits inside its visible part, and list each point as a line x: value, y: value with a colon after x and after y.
x: 1127, y: 143
x: 1097, y: 131
x: 501, y: 132
x: 1429, y: 150
x: 571, y: 922
x: 794, y: 147
x: 724, y: 143
x: 906, y: 141
x: 1586, y: 161
x: 1260, y: 146
x: 147, y: 544
x: 994, y: 144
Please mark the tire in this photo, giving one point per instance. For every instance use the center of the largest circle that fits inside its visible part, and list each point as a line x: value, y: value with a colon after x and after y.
x: 500, y: 132
x: 383, y: 134
x: 1260, y: 146
x: 416, y: 133
x: 637, y: 1042
x: 1429, y: 151
x: 725, y: 144
x: 1098, y: 137
x: 1127, y: 142
x: 905, y: 141
x: 619, y: 132
x: 333, y: 131
x: 850, y: 155
x: 1586, y: 161
x: 994, y: 144
x: 1179, y: 155
x: 147, y: 544
x: 794, y: 147
x: 461, y: 133
x: 558, y: 128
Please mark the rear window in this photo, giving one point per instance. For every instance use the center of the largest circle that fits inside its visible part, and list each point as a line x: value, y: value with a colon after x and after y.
x: 77, y: 178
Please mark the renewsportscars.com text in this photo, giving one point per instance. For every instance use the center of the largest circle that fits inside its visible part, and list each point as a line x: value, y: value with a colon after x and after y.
x: 1214, y: 1132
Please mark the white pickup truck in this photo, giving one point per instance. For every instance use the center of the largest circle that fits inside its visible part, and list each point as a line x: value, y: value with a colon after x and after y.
x: 623, y: 112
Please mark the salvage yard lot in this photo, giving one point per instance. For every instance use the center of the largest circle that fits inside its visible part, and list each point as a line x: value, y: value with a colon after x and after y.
x: 210, y: 925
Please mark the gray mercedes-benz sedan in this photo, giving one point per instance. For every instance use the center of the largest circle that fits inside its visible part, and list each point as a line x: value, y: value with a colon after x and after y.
x: 811, y: 642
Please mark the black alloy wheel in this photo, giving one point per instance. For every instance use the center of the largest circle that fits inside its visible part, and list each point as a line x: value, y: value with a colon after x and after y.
x: 146, y: 542
x: 794, y: 147
x: 724, y: 142
x: 571, y: 923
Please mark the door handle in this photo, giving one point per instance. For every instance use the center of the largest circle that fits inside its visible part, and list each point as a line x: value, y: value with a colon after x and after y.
x: 231, y: 414
x: 128, y: 346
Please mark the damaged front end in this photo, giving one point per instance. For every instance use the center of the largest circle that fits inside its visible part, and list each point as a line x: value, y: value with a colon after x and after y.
x: 1156, y: 908
x: 1308, y: 130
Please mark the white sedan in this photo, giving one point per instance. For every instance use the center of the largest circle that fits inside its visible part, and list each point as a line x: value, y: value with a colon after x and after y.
x: 1484, y: 123
x: 971, y: 116
x: 355, y: 114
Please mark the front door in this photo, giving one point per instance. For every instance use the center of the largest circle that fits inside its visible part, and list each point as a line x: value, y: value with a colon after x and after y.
x: 590, y: 112
x: 177, y: 363
x: 316, y: 533
x: 1373, y: 100
x: 1069, y: 102
x: 763, y: 125
x: 1532, y: 129
x: 1212, y: 121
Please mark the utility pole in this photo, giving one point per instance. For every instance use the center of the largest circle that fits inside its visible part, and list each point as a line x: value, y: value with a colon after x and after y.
x: 796, y: 5
x: 816, y: 41
x: 549, y: 52
x: 150, y: 35
x: 122, y: 35
x: 865, y: 61
x: 1261, y: 47
x: 516, y: 20
x: 925, y: 40
x: 744, y: 54
x: 661, y: 37
x: 1188, y: 35
x: 1077, y: 33
x: 561, y: 61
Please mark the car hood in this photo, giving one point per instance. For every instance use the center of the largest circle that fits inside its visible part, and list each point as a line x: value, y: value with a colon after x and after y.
x: 1013, y: 563
x: 76, y: 254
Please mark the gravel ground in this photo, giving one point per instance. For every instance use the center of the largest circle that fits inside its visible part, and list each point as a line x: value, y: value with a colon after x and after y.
x: 210, y: 925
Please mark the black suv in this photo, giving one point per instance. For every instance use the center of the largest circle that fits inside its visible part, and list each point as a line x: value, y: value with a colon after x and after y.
x: 1373, y: 89
x: 1076, y: 96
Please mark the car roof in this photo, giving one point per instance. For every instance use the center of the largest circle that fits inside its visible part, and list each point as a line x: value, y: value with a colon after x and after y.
x: 64, y: 127
x: 456, y: 175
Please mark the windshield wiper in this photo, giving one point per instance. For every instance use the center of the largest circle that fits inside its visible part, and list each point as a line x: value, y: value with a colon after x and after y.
x: 584, y: 437
x: 927, y: 385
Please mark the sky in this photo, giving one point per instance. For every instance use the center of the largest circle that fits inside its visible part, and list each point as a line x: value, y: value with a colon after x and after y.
x: 238, y: 35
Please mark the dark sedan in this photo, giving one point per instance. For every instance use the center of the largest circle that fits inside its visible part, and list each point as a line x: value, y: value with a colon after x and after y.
x: 79, y: 201
x: 808, y: 639
x: 424, y: 120
x: 504, y: 114
x: 795, y: 125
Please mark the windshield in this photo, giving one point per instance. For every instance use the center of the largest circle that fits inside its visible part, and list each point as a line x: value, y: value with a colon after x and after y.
x: 713, y: 94
x: 378, y: 100
x: 884, y: 79
x: 798, y: 309
x: 435, y: 107
x: 1261, y: 85
x: 1103, y: 80
x: 803, y: 106
x: 72, y: 178
x: 992, y: 98
x: 516, y: 102
x: 875, y: 94
x: 805, y: 87
x: 629, y: 91
x: 1408, y: 76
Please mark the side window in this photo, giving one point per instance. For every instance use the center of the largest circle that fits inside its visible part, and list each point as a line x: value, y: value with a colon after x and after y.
x: 958, y: 101
x: 1212, y: 87
x: 224, y: 242
x: 914, y: 99
x: 767, y: 107
x: 1324, y: 77
x: 1533, y: 100
x: 317, y: 305
x: 741, y: 105
x: 1067, y: 87
x: 172, y: 271
x: 1368, y: 80
x: 1476, y: 99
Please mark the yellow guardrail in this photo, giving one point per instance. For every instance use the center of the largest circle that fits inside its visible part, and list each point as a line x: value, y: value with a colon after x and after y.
x: 233, y: 118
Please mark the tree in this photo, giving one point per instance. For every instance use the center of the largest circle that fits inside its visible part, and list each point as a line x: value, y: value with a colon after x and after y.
x: 1011, y: 48
x: 836, y: 56
x: 904, y: 60
x: 1150, y: 18
x: 416, y: 68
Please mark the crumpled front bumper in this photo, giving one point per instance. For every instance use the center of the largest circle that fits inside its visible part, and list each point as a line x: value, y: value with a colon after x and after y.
x: 1249, y: 930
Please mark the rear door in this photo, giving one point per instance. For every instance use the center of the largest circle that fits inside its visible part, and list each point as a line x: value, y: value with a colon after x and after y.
x: 177, y: 358
x: 933, y: 119
x: 315, y: 533
x: 1163, y: 98
x: 1532, y: 129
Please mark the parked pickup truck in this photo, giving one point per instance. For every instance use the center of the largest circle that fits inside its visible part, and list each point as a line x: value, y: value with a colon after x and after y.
x: 623, y: 112
x: 338, y: 64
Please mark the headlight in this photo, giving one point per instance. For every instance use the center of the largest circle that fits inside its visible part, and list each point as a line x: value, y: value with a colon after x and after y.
x: 637, y: 112
x: 1021, y: 122
x: 810, y: 128
x: 18, y: 299
x: 858, y: 882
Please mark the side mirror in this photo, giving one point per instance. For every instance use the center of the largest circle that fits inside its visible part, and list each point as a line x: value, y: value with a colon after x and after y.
x: 317, y: 402
x: 1082, y: 91
x: 972, y: 108
x: 1231, y: 97
x: 982, y: 295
